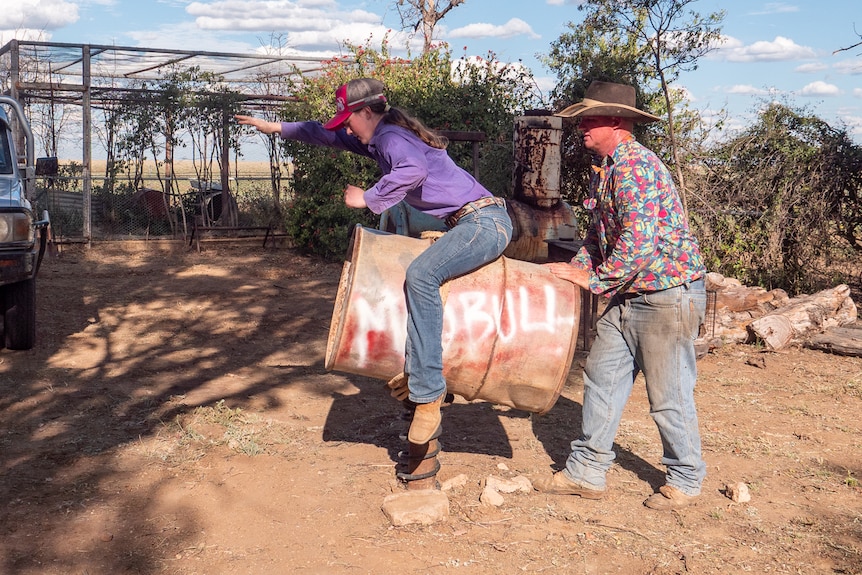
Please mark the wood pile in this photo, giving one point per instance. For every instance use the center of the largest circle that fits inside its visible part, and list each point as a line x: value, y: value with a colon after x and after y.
x: 742, y: 314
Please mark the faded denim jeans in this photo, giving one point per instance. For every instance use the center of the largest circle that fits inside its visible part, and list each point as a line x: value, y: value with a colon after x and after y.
x: 479, y: 238
x: 652, y: 333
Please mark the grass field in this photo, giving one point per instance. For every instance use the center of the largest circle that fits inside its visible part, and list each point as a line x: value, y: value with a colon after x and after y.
x: 183, y: 168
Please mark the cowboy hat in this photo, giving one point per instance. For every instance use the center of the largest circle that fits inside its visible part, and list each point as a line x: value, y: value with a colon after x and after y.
x: 608, y: 99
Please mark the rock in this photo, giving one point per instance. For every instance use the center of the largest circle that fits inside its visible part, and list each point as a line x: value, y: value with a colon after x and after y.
x: 457, y: 481
x: 422, y: 506
x: 501, y: 485
x: 491, y: 497
x: 738, y: 492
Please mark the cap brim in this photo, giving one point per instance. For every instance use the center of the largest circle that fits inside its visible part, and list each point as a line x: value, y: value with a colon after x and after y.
x: 337, y: 120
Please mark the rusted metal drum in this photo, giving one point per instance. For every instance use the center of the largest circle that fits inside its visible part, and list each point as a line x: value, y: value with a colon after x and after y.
x: 509, y: 328
x: 532, y: 227
x: 538, y: 159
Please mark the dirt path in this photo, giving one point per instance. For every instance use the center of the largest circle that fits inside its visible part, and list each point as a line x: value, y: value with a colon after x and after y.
x: 176, y: 418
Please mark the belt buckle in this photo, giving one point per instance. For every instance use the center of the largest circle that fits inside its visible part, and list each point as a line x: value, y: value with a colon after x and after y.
x: 452, y: 221
x: 473, y: 206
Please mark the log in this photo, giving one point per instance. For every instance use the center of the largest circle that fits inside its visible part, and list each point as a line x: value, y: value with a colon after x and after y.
x: 733, y: 306
x: 714, y: 281
x: 734, y: 297
x: 838, y: 340
x: 804, y: 315
x: 741, y: 314
x: 776, y: 330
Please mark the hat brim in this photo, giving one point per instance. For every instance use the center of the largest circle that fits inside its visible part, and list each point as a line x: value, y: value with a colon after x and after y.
x: 337, y: 120
x: 612, y: 110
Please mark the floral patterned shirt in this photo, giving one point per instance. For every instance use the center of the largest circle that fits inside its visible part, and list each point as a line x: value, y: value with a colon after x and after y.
x: 639, y: 239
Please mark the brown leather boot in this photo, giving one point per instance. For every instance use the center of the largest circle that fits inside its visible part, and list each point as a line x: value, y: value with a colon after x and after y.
x: 426, y: 420
x: 560, y: 484
x: 669, y: 497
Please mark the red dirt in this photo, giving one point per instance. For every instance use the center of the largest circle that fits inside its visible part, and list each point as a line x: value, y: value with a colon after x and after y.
x: 176, y: 418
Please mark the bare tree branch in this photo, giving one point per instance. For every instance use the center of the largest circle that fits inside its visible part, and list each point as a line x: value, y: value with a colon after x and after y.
x: 850, y: 47
x: 847, y: 48
x: 425, y: 15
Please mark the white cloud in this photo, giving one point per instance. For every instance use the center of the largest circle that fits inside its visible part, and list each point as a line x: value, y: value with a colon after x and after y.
x: 811, y: 68
x: 849, y: 67
x: 779, y: 49
x: 775, y: 8
x: 545, y: 84
x: 857, y: 92
x: 184, y: 34
x: 37, y: 14
x: 310, y: 43
x: 816, y: 89
x: 562, y: 2
x: 514, y: 27
x: 748, y: 90
x: 23, y: 34
x: 311, y: 28
x: 282, y: 15
x: 854, y: 125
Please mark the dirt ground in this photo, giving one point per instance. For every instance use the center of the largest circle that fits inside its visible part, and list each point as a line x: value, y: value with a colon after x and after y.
x: 176, y: 418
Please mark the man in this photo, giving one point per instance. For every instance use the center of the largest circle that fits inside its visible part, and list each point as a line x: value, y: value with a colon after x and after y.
x: 639, y: 252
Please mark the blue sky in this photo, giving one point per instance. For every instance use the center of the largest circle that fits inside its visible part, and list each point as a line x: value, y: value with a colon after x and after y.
x: 772, y: 49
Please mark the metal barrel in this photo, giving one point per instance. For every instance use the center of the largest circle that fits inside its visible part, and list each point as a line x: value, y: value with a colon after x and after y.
x: 509, y: 328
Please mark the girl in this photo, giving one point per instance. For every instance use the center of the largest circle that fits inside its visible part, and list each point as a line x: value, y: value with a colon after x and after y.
x: 417, y: 169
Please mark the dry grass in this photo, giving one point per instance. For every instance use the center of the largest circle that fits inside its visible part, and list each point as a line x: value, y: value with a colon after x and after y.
x: 191, y: 435
x: 184, y: 168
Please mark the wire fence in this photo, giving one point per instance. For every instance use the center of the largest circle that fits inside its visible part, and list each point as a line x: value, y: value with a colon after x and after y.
x: 147, y: 212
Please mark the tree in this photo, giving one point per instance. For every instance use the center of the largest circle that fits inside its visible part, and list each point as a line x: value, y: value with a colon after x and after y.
x: 780, y: 205
x: 673, y: 37
x: 423, y: 13
x: 150, y: 121
x: 578, y: 57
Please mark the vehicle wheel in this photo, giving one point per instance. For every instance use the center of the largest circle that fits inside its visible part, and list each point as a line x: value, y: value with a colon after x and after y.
x: 19, y: 315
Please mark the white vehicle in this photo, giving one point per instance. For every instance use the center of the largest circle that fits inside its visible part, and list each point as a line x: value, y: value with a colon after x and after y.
x: 22, y: 239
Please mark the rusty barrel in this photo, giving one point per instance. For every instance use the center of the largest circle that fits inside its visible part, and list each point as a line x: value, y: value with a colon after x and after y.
x: 509, y: 328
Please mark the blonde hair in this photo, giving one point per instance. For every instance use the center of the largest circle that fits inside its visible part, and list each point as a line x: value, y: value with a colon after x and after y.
x: 401, y: 118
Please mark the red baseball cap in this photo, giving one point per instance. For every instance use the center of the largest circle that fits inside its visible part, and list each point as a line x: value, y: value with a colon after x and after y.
x: 352, y: 96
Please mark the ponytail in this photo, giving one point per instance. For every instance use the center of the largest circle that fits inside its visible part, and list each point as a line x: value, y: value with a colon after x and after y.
x: 398, y: 117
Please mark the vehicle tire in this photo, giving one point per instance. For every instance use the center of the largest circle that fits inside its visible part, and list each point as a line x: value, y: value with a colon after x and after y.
x: 19, y: 315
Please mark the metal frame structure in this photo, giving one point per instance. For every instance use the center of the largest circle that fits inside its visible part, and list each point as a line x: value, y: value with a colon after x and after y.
x: 90, y: 75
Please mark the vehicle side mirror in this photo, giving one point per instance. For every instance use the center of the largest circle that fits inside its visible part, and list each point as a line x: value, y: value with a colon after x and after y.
x: 47, y: 167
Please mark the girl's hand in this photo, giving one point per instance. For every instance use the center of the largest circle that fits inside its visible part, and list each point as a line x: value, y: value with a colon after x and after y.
x: 261, y: 125
x: 354, y: 197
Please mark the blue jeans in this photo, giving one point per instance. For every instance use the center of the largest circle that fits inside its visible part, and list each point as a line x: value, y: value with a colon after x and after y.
x: 653, y: 333
x: 479, y: 238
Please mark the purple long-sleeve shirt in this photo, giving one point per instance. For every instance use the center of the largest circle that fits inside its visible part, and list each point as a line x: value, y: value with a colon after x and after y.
x: 424, y: 177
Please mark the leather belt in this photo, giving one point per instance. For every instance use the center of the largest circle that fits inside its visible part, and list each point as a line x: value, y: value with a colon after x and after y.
x: 630, y: 295
x: 470, y: 207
